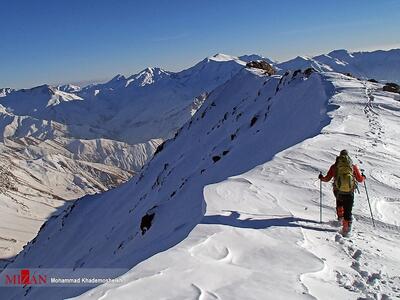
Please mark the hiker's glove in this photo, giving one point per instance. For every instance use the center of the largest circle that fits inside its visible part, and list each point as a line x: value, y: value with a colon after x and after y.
x: 320, y: 176
x: 365, y: 177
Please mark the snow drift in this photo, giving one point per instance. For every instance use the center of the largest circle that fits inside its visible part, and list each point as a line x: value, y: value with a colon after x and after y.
x: 61, y: 143
x: 242, y: 124
x: 228, y: 207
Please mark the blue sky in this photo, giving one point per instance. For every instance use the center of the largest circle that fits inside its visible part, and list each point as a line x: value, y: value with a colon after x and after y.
x: 62, y: 41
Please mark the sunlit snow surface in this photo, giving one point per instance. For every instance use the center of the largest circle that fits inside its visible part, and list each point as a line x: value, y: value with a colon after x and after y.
x: 61, y: 143
x: 380, y: 65
x: 246, y: 225
x: 260, y: 238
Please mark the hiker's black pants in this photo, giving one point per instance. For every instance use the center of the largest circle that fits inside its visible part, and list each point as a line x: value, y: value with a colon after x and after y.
x: 347, y: 201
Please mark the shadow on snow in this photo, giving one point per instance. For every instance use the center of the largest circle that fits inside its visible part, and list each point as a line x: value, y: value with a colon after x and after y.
x: 234, y: 220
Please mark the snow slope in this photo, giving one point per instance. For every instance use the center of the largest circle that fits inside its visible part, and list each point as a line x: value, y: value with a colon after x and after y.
x: 172, y: 183
x: 380, y: 65
x: 260, y: 237
x: 235, y: 202
x: 61, y: 143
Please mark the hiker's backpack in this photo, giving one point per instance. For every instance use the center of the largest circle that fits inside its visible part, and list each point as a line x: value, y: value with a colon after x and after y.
x: 344, y: 180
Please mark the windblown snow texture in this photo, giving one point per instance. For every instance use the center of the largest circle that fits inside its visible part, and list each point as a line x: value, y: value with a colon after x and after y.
x: 228, y: 208
x: 61, y: 143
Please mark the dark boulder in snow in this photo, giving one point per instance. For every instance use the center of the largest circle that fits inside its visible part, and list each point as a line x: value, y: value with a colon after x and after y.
x: 263, y: 65
x: 159, y: 148
x: 216, y: 158
x: 391, y: 87
x: 147, y: 220
x: 349, y: 74
x: 309, y: 71
x: 253, y: 121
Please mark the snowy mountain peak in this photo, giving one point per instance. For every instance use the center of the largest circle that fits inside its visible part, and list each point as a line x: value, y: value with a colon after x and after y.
x: 380, y: 65
x: 148, y: 76
x: 5, y: 91
x: 69, y: 88
x: 303, y: 57
x: 340, y: 54
x: 255, y: 57
x: 222, y: 57
x: 41, y: 89
x: 251, y: 57
x: 118, y: 77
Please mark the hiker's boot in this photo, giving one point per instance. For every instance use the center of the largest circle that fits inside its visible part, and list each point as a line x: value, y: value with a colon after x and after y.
x: 346, y: 226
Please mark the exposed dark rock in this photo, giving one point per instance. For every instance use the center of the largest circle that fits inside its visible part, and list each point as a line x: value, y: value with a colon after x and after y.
x: 159, y: 148
x: 216, y: 158
x: 309, y: 71
x: 391, y: 87
x: 147, y: 221
x: 253, y: 121
x: 373, y: 80
x: 263, y: 65
x: 295, y: 73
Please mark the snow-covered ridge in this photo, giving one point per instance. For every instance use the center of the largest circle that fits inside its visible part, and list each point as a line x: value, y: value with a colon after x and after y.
x: 250, y: 218
x: 260, y: 237
x: 224, y: 138
x: 379, y: 65
x: 65, y: 142
x: 222, y: 57
x: 5, y: 91
x: 69, y: 88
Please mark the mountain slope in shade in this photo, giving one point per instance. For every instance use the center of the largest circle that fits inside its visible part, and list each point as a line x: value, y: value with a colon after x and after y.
x: 380, y: 65
x: 235, y: 199
x: 260, y: 237
x: 241, y: 125
x: 62, y: 143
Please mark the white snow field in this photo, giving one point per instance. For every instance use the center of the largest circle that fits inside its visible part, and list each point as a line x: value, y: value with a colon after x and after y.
x: 380, y: 65
x: 234, y: 198
x: 61, y: 143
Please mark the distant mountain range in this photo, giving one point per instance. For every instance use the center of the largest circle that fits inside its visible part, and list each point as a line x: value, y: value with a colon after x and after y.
x: 379, y: 65
x: 61, y: 143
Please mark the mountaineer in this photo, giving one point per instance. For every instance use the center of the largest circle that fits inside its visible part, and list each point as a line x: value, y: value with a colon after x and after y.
x: 345, y: 175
